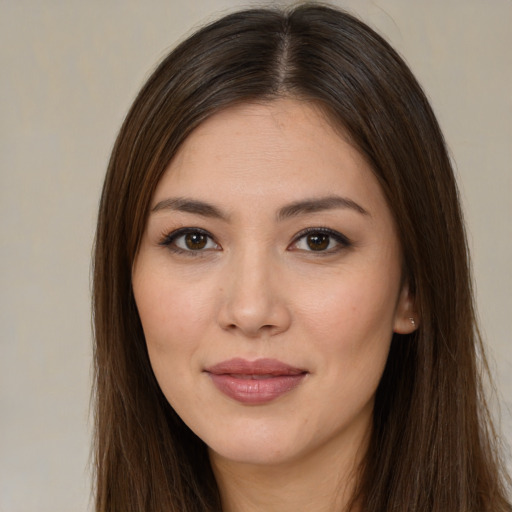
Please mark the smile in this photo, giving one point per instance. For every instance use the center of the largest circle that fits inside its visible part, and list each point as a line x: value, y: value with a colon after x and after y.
x: 255, y: 382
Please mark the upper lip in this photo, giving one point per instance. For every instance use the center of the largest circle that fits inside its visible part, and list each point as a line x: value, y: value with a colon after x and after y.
x: 239, y: 366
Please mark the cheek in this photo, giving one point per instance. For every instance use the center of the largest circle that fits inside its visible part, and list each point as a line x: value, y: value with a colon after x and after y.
x: 171, y: 311
x: 353, y: 316
x: 173, y: 319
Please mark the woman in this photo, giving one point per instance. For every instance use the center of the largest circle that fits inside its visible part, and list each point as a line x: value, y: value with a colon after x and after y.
x: 282, y: 301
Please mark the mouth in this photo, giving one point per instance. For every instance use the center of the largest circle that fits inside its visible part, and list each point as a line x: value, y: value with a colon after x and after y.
x: 255, y: 382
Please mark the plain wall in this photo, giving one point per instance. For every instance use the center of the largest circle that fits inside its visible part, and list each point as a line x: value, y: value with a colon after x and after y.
x: 69, y: 71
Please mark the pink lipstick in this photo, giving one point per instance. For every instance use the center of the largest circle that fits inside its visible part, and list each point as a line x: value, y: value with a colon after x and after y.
x: 255, y: 382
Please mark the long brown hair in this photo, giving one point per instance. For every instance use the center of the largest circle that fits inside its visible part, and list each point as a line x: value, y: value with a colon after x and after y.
x: 433, y: 444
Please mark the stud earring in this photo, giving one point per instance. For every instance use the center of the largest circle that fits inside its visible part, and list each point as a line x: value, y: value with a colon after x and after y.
x: 411, y: 319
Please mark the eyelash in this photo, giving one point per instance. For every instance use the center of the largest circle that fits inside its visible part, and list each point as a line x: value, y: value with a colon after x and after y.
x: 169, y: 240
x: 341, y: 240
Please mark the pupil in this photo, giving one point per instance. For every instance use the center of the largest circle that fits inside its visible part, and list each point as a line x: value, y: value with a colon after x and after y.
x: 195, y: 241
x: 318, y: 242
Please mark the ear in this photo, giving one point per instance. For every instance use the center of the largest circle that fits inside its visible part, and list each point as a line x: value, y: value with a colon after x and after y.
x: 406, y: 317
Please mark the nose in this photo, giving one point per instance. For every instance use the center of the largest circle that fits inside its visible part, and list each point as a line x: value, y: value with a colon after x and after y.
x: 254, y: 300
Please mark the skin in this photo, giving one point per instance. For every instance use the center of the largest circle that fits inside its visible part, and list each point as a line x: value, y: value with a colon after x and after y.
x: 258, y: 290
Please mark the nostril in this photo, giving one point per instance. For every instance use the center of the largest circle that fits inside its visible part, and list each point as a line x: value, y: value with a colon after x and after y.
x: 249, y: 308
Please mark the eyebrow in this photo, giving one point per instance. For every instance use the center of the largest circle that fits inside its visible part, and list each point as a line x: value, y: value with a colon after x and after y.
x: 294, y: 209
x: 182, y: 204
x: 318, y: 205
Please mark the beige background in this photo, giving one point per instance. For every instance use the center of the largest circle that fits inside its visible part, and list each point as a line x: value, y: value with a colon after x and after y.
x: 69, y: 70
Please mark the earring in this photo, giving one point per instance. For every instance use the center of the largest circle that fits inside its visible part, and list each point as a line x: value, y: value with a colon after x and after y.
x: 411, y: 319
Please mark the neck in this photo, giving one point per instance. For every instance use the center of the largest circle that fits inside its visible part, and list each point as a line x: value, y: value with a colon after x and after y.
x: 323, y: 481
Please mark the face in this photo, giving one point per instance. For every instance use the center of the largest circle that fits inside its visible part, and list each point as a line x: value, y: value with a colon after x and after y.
x: 269, y: 284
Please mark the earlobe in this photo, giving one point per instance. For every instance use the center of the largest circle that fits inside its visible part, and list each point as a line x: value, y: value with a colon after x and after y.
x: 406, y: 316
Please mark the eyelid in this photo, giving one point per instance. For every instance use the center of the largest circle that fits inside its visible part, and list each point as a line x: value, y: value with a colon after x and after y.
x: 342, y: 240
x: 167, y: 240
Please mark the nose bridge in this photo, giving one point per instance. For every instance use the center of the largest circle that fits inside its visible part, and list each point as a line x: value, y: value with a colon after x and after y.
x: 253, y: 304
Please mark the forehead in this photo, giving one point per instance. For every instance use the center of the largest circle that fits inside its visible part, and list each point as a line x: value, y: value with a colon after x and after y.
x: 260, y: 150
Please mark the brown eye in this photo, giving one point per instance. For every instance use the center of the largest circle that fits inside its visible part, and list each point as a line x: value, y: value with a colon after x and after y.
x: 190, y: 240
x: 196, y: 241
x: 318, y: 241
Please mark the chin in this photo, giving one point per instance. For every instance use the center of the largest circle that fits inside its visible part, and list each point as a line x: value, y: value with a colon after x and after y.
x: 260, y: 446
x: 254, y: 454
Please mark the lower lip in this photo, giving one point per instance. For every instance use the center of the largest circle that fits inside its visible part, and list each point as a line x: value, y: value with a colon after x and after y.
x: 256, y: 391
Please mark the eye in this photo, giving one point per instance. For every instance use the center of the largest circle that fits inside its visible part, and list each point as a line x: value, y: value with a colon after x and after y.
x: 190, y: 240
x: 320, y: 240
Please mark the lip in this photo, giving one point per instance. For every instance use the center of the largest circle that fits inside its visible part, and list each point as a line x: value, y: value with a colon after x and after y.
x: 255, y: 382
